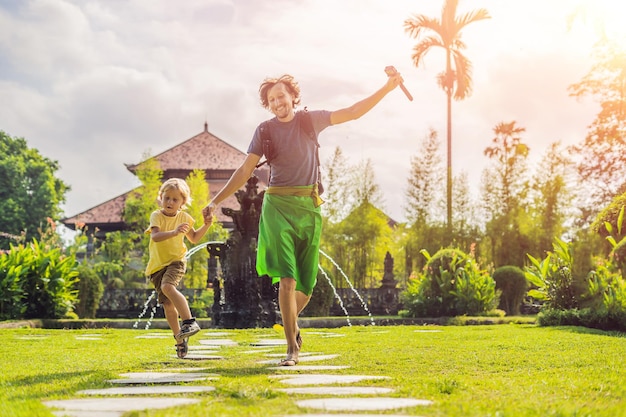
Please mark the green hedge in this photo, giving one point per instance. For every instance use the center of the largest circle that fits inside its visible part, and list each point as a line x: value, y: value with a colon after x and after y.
x: 36, y: 281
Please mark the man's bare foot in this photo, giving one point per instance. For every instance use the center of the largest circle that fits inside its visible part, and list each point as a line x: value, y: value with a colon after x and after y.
x: 288, y: 361
x: 299, y: 339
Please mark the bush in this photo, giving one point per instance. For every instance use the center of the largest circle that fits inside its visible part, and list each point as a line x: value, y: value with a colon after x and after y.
x: 510, y: 280
x: 38, y: 281
x: 11, y: 272
x: 552, y: 278
x: 90, y: 290
x: 451, y: 285
x: 587, y: 317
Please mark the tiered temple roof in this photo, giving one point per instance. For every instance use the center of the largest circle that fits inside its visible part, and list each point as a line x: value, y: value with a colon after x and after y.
x: 204, y: 151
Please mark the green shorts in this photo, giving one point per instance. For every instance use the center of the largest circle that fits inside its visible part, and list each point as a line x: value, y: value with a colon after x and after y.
x: 289, y: 240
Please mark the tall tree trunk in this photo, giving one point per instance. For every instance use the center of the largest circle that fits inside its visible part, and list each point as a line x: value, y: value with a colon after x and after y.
x: 449, y: 88
x: 449, y: 164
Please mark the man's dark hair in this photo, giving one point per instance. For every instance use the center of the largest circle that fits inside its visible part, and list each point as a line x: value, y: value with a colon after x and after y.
x: 288, y: 81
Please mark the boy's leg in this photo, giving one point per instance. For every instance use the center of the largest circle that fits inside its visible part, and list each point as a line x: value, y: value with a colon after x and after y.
x: 171, y: 315
x: 169, y: 308
x: 178, y: 300
x: 189, y: 326
x: 172, y: 277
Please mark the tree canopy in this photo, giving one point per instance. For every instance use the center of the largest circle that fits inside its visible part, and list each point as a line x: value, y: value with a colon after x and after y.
x: 601, y: 156
x: 29, y: 190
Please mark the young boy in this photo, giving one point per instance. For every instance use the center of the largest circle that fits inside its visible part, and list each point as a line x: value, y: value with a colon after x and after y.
x: 166, y: 267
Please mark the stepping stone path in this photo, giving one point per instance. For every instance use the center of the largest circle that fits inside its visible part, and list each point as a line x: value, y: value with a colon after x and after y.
x: 138, y: 390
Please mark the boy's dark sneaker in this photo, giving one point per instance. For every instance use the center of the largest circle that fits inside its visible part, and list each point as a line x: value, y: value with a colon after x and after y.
x: 187, y: 330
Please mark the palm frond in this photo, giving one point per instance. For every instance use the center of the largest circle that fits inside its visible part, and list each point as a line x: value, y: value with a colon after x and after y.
x: 418, y: 23
x: 472, y: 16
x: 458, y: 44
x: 442, y: 81
x: 421, y: 49
x: 463, y: 68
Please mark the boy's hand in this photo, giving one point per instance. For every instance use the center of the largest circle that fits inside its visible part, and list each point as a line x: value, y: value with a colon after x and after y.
x: 182, y: 228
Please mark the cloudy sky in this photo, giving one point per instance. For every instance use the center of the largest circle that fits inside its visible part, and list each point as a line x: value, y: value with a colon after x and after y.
x: 95, y: 84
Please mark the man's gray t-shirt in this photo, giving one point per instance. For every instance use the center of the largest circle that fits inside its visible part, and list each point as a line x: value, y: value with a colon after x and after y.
x: 294, y: 153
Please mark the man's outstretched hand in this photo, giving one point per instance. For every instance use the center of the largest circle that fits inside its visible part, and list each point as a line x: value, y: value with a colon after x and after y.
x: 392, y: 71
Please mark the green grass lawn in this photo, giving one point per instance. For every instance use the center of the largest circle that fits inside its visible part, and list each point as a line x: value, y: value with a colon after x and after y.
x: 489, y: 370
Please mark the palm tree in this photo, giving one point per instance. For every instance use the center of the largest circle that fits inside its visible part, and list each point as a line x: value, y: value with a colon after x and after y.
x: 456, y: 80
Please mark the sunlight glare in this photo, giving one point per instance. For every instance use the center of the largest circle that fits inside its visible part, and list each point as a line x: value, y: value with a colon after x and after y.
x: 604, y: 17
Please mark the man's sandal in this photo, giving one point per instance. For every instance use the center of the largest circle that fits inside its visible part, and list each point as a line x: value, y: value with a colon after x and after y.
x: 288, y: 361
x: 182, y: 348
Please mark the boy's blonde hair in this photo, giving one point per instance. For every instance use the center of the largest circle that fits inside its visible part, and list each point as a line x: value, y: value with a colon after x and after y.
x: 176, y: 184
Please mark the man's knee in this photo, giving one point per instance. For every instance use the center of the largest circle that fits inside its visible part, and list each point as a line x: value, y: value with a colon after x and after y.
x: 287, y: 284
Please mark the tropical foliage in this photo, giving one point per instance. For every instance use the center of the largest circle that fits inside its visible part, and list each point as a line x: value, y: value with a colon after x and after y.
x: 451, y: 284
x: 36, y: 281
x: 29, y: 191
x: 602, y: 155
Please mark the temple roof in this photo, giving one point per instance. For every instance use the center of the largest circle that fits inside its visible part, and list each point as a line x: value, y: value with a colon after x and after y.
x: 103, y: 216
x: 204, y: 151
x: 108, y: 216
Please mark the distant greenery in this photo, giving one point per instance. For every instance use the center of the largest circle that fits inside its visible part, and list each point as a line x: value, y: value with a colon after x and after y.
x: 451, y: 284
x: 467, y: 371
x: 510, y: 280
x: 38, y: 279
x: 30, y: 192
x: 603, y: 306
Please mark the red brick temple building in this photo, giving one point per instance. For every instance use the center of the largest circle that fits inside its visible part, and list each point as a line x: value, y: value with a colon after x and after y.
x: 204, y: 151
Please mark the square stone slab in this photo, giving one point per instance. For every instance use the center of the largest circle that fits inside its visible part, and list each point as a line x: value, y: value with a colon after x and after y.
x: 337, y: 390
x: 154, y: 336
x: 148, y: 390
x: 281, y: 355
x: 216, y: 334
x: 324, y: 334
x: 298, y: 368
x: 361, y: 404
x: 160, y: 377
x: 303, y: 358
x: 257, y: 350
x: 198, y: 356
x: 203, y: 348
x: 32, y: 337
x: 116, y: 405
x: 321, y: 379
x: 217, y: 342
x: 341, y: 415
x: 79, y: 413
x: 269, y: 342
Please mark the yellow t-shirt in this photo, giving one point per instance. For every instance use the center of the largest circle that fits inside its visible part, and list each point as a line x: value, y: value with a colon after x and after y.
x: 169, y: 250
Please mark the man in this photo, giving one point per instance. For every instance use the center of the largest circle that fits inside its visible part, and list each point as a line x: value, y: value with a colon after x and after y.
x: 290, y: 223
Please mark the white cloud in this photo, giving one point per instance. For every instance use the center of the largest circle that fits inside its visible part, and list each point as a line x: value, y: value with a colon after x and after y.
x: 94, y: 84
